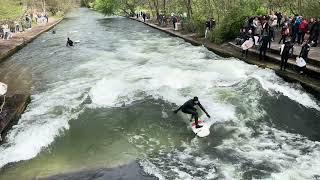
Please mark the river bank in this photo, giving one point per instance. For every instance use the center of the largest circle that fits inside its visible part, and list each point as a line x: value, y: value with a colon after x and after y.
x: 17, y: 100
x: 19, y: 40
x: 311, y: 82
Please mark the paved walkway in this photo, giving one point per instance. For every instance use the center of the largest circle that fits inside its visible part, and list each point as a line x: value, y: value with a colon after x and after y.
x: 314, y: 53
x: 9, y: 47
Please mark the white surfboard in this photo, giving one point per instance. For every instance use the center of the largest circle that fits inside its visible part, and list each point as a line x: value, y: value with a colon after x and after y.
x: 256, y: 40
x: 3, y: 88
x: 201, y: 132
x: 247, y: 44
x: 300, y: 62
x: 281, y: 49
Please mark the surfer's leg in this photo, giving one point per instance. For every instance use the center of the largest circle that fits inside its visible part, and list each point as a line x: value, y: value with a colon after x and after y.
x: 192, y: 117
x: 194, y: 114
x: 196, y: 119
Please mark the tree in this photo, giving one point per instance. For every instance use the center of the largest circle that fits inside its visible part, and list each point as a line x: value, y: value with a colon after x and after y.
x: 109, y: 7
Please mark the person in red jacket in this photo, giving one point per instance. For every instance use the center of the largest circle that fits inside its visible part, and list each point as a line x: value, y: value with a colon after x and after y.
x: 303, y: 29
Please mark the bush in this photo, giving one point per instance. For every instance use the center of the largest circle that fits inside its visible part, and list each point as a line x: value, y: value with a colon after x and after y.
x: 10, y: 10
x: 229, y: 27
x: 194, y: 25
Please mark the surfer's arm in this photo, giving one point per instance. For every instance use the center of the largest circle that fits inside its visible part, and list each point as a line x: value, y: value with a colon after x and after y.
x: 203, y: 109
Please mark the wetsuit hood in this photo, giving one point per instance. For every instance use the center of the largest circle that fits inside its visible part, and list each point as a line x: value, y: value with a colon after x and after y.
x: 196, y: 100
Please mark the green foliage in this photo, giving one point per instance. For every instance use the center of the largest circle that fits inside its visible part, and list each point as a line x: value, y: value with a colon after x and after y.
x: 107, y: 7
x: 311, y: 9
x: 229, y: 26
x: 59, y: 7
x: 193, y: 25
x: 229, y: 14
x: 127, y: 7
x: 87, y: 3
x: 10, y: 9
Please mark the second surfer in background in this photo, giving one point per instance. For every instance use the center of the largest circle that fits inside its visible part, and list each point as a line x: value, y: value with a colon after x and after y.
x: 188, y: 108
x: 69, y: 42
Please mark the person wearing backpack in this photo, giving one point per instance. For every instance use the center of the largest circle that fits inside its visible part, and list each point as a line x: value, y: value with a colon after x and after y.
x: 284, y: 33
x: 302, y: 30
x: 296, y: 21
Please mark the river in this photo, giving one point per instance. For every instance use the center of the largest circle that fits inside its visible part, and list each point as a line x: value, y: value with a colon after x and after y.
x: 108, y: 101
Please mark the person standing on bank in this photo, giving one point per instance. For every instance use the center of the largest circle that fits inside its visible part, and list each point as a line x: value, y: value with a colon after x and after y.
x: 284, y: 33
x: 265, y: 40
x: 286, y: 53
x: 144, y: 17
x: 304, y: 54
x: 188, y: 108
x: 248, y: 36
x: 174, y: 21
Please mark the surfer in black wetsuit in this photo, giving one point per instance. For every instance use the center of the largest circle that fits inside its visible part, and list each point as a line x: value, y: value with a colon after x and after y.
x: 188, y: 108
x: 69, y: 42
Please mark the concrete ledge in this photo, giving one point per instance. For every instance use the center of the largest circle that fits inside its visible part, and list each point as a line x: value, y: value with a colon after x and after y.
x: 16, y: 104
x: 312, y: 71
x: 12, y: 110
x: 311, y: 60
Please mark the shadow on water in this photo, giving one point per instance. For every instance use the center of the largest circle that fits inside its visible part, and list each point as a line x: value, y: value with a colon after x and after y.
x: 131, y: 171
x: 293, y: 117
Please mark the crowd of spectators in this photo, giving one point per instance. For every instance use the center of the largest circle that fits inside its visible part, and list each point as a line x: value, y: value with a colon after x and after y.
x: 142, y: 15
x: 8, y: 28
x: 296, y: 28
x: 290, y: 31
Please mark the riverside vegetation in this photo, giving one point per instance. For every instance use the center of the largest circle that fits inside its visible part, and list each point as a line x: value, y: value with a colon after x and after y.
x: 229, y: 14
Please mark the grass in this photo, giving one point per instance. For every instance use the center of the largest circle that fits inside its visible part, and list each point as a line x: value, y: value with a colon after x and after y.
x: 10, y: 10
